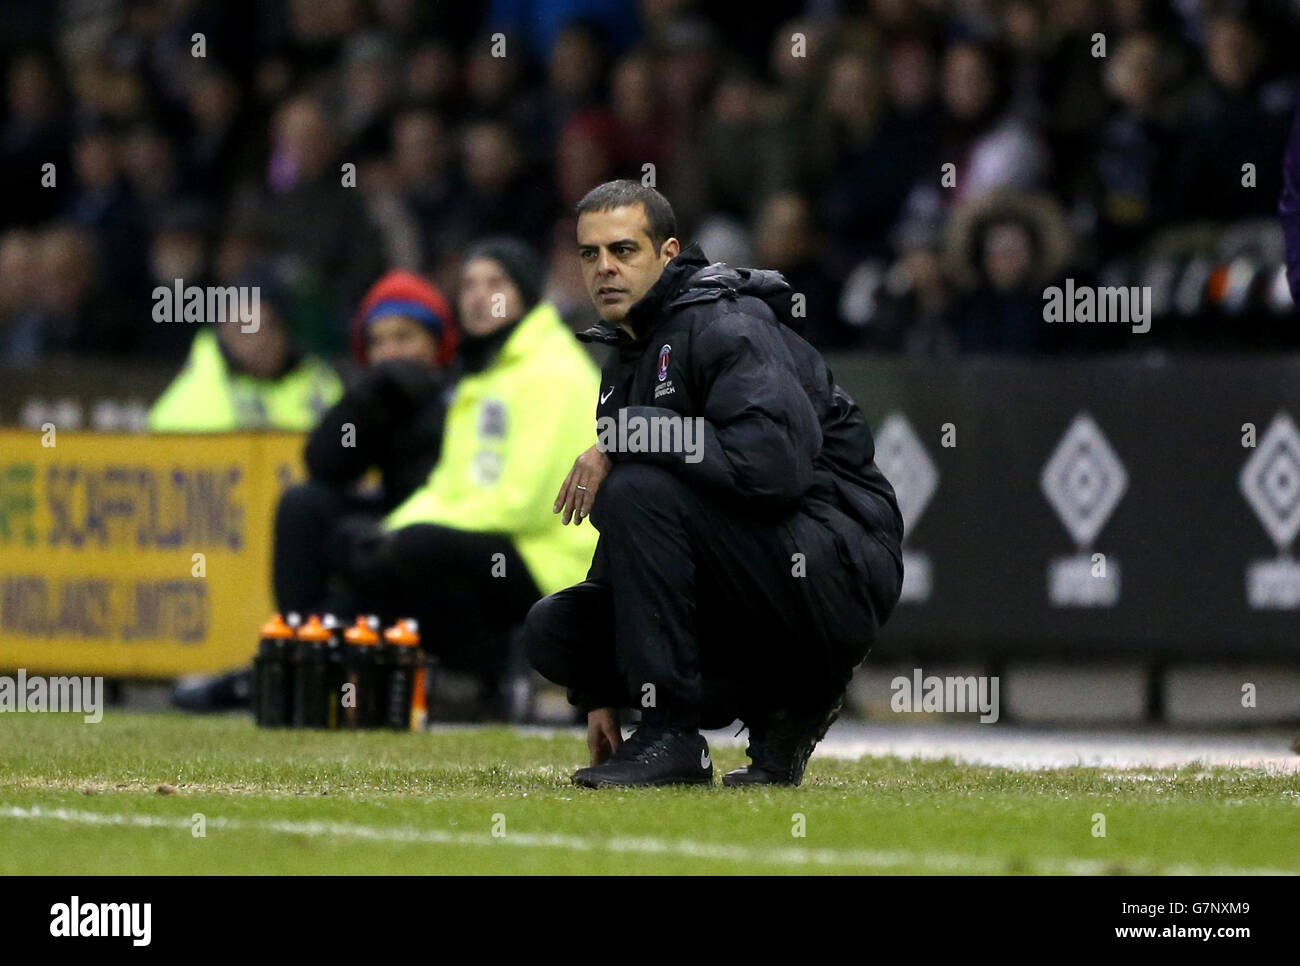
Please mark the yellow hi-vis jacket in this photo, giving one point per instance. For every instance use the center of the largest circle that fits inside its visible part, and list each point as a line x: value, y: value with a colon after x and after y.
x: 511, y: 436
x: 206, y: 397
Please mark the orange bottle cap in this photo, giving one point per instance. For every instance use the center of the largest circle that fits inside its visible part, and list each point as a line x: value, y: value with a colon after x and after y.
x: 313, y: 630
x: 361, y: 633
x: 277, y: 628
x: 405, y: 632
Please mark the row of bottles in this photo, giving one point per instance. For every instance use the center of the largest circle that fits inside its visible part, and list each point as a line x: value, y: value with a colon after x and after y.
x: 317, y: 674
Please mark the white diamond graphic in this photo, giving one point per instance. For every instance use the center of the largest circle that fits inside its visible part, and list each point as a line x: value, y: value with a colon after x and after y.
x: 907, y: 466
x: 1270, y: 480
x: 1084, y: 480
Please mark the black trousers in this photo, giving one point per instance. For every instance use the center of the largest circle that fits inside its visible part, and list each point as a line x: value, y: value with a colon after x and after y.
x: 698, y: 614
x: 314, y: 524
x: 467, y: 589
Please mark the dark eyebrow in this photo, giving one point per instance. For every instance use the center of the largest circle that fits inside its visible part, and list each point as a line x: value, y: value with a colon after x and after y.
x: 619, y: 241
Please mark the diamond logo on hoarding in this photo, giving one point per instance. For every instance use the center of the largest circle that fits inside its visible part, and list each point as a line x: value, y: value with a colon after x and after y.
x: 907, y: 466
x: 1084, y: 480
x: 1270, y: 480
x: 909, y: 469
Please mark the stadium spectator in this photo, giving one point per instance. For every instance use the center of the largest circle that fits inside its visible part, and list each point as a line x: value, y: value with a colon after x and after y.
x: 865, y: 178
x: 33, y: 134
x: 152, y: 174
x: 1138, y: 146
x: 368, y: 94
x: 67, y: 303
x: 794, y: 105
x: 643, y: 131
x: 989, y: 144
x: 315, y: 222
x: 1289, y: 208
x: 104, y: 203
x: 588, y: 147
x: 908, y: 308
x: 542, y: 23
x: 733, y: 124
x: 500, y: 194
x: 20, y: 338
x: 853, y: 108
x: 787, y: 241
x: 215, y: 150
x: 1002, y: 250
x: 179, y: 250
x: 1232, y: 105
x: 246, y: 374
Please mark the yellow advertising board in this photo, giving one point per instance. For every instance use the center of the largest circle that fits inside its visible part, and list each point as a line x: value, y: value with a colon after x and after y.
x: 137, y: 556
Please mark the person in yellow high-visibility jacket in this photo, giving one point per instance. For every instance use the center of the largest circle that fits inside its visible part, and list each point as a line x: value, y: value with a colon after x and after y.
x: 470, y: 551
x: 247, y: 376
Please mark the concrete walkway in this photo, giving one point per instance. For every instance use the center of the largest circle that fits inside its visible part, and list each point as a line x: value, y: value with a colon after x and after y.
x: 1010, y: 746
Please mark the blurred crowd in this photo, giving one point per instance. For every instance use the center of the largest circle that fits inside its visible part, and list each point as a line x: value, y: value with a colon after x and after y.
x: 1103, y: 140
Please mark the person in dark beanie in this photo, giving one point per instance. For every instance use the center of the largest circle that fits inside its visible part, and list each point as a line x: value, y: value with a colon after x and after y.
x: 505, y: 259
x: 744, y: 568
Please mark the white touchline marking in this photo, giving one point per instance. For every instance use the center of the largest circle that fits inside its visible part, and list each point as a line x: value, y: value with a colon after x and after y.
x: 648, y: 846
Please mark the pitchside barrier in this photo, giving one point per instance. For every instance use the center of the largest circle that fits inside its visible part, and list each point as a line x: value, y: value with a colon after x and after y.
x: 137, y: 556
x: 1106, y: 507
x: 1125, y: 507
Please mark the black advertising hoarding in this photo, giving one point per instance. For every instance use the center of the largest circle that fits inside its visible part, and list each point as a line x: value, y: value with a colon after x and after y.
x: 1165, y: 534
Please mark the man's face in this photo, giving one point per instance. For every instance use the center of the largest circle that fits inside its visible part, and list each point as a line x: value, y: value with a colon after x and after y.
x: 619, y: 262
x: 1008, y: 256
x: 260, y: 351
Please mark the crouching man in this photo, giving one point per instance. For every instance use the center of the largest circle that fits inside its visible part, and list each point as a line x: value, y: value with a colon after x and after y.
x: 744, y: 569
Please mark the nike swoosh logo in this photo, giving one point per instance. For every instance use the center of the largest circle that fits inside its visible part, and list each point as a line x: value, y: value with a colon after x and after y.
x: 605, y: 395
x: 705, y: 760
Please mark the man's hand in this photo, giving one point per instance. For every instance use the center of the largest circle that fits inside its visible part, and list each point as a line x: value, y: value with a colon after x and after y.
x: 603, y: 733
x: 580, y: 486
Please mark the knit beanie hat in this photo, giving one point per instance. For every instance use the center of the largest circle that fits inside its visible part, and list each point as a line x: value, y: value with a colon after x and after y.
x: 405, y: 293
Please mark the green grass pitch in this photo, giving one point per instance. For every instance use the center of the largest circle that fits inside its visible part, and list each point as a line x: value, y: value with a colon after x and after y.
x: 126, y: 796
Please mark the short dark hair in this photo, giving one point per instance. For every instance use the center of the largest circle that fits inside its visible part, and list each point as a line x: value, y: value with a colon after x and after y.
x: 624, y: 192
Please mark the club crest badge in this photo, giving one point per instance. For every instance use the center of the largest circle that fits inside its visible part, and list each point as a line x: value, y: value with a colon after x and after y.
x: 492, y: 420
x: 665, y: 355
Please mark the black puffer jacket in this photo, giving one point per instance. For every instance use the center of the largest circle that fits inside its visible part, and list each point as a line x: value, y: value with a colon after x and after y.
x: 397, y: 410
x: 780, y: 435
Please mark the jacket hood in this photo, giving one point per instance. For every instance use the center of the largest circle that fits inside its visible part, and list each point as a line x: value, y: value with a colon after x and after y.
x: 691, y: 279
x: 719, y: 280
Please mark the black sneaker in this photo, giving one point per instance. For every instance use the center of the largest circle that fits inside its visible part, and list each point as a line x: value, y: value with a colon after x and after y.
x: 780, y: 747
x: 218, y: 692
x: 653, y: 756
